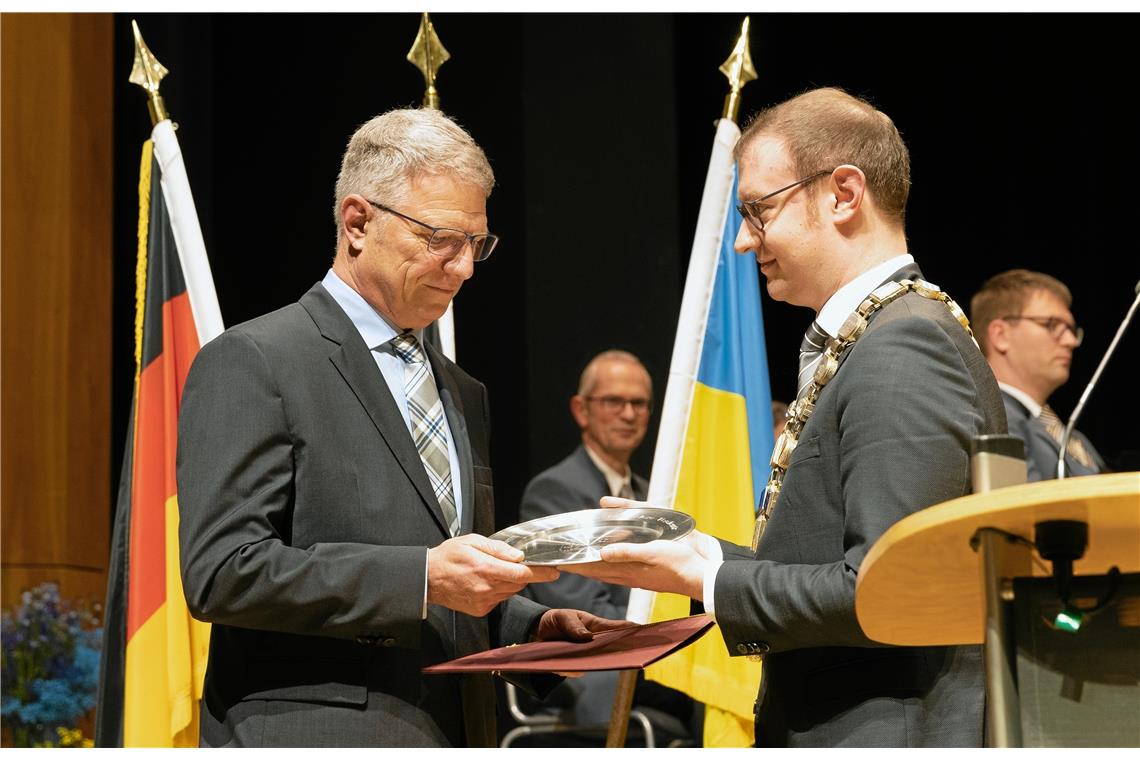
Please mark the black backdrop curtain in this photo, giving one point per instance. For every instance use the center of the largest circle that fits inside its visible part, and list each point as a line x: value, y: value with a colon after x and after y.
x: 1021, y: 129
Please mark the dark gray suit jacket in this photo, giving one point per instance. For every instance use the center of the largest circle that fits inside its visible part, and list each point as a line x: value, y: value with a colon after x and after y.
x: 890, y: 435
x: 1040, y: 448
x: 306, y: 515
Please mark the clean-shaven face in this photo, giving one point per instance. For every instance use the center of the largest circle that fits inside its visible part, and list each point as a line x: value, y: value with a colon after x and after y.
x: 396, y: 274
x: 790, y: 250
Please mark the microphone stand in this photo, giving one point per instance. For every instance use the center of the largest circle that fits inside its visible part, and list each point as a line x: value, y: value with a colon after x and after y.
x: 1088, y: 388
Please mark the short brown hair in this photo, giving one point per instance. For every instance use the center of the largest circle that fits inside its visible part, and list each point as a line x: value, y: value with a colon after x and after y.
x: 826, y: 128
x: 1005, y: 294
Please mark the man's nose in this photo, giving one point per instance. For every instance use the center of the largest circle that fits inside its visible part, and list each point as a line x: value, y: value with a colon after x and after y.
x: 747, y: 239
x: 463, y: 263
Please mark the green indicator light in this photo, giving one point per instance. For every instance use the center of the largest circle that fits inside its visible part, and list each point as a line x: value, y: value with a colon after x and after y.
x: 1068, y: 621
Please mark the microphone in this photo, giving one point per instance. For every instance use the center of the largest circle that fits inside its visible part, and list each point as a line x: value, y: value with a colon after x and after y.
x: 1088, y: 388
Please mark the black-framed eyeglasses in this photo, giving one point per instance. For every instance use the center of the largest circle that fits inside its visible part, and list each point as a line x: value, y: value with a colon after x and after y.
x: 1055, y: 325
x: 751, y: 214
x: 447, y: 242
x: 616, y: 404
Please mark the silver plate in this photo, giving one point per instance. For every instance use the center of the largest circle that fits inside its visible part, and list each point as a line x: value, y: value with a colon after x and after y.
x: 574, y: 538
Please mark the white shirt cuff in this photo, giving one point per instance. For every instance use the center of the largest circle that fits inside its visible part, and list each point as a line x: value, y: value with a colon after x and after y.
x: 713, y: 550
x: 423, y: 612
x: 710, y: 585
x: 715, y: 555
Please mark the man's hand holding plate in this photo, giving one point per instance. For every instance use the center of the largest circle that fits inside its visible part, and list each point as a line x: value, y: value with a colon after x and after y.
x: 695, y: 539
x: 670, y: 566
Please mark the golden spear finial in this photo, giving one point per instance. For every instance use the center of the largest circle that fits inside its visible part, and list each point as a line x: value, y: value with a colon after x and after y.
x: 738, y: 68
x: 428, y: 54
x: 147, y: 73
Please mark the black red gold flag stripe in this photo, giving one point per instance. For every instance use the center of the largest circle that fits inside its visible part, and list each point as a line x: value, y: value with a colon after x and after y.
x: 154, y: 654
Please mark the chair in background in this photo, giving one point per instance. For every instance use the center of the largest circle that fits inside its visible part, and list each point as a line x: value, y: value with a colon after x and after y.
x: 646, y: 722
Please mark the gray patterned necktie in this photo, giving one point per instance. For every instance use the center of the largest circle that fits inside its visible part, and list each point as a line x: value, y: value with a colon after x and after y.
x: 811, y: 349
x: 425, y: 411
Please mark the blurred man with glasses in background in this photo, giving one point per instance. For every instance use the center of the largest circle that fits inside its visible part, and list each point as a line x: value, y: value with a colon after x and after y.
x: 1023, y: 324
x: 612, y: 409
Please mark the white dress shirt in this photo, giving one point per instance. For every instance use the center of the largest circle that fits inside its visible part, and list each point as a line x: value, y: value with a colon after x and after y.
x: 614, y: 479
x: 1032, y: 406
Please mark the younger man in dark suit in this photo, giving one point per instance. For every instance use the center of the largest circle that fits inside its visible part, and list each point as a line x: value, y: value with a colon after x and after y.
x: 824, y: 179
x: 1024, y: 326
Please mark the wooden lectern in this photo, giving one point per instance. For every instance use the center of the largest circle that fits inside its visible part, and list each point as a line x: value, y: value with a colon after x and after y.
x: 946, y: 575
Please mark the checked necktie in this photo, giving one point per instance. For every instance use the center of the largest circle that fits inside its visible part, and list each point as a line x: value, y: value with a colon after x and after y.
x: 1056, y: 429
x: 425, y: 411
x: 811, y: 349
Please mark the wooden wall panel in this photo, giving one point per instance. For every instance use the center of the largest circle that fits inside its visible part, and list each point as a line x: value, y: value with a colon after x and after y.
x: 55, y: 229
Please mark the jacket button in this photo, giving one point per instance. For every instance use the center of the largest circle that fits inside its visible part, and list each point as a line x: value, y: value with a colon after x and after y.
x: 761, y: 647
x: 366, y: 640
x: 389, y: 642
x: 742, y: 649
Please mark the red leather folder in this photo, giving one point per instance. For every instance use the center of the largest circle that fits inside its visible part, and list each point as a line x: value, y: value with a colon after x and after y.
x: 624, y: 649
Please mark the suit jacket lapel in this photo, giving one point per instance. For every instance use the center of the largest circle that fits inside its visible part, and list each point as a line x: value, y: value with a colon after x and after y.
x: 591, y: 470
x: 453, y: 408
x: 355, y: 364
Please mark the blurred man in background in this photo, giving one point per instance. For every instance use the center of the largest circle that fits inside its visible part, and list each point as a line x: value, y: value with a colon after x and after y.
x: 1023, y: 323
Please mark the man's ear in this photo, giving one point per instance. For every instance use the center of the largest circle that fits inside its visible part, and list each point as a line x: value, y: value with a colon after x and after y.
x: 354, y: 212
x: 578, y: 411
x: 849, y: 186
x: 997, y: 336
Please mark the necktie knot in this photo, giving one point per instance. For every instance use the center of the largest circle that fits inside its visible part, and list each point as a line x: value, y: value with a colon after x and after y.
x: 408, y: 348
x: 814, y: 339
x: 811, y: 348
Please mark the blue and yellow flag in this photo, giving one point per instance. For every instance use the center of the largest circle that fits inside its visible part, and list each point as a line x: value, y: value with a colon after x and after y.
x: 722, y: 469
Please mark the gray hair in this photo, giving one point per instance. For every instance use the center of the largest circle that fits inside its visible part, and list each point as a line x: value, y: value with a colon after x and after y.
x: 589, y: 377
x: 387, y: 153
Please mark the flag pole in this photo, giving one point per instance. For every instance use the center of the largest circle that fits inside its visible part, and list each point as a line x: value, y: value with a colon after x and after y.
x: 428, y: 54
x: 688, y: 344
x: 148, y: 73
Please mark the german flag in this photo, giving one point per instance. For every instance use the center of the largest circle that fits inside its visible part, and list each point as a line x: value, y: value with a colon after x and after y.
x: 154, y: 653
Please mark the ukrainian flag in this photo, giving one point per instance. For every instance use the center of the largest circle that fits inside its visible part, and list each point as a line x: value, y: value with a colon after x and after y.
x: 725, y: 446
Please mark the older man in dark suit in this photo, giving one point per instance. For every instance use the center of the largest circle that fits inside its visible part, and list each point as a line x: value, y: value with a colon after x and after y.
x: 879, y: 431
x: 611, y: 409
x: 334, y: 477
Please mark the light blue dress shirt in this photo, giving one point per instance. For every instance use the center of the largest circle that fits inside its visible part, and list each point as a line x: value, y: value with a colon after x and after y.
x: 377, y: 332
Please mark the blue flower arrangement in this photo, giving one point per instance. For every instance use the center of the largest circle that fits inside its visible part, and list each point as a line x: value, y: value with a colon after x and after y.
x: 50, y: 668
